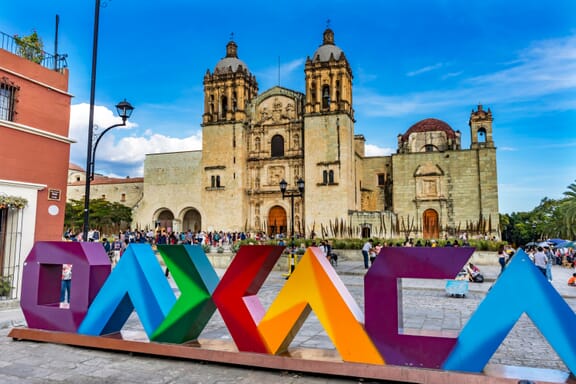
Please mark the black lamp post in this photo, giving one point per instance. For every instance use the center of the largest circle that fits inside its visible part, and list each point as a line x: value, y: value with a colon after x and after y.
x: 124, y: 110
x: 292, y: 194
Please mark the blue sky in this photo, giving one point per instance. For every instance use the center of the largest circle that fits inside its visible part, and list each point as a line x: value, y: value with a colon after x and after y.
x: 411, y: 60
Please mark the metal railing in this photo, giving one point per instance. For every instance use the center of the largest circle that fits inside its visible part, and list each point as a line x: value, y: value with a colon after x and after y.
x: 20, y: 48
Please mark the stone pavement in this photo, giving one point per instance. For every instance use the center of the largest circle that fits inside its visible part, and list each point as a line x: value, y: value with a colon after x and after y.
x: 425, y: 306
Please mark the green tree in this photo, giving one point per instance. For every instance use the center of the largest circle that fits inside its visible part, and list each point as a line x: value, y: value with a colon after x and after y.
x: 568, y: 208
x: 30, y: 47
x: 105, y: 216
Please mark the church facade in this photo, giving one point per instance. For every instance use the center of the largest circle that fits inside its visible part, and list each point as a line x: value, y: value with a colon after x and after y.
x: 430, y: 188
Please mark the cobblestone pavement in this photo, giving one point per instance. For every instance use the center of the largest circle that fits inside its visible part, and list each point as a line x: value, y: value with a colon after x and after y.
x: 424, y: 302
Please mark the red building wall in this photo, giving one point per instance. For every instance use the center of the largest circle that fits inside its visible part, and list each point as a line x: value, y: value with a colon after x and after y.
x: 34, y: 147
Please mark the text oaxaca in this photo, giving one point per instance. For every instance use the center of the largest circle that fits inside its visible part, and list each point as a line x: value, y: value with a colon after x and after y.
x: 102, y: 300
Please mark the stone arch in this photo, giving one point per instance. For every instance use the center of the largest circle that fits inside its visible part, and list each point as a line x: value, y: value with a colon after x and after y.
x: 164, y: 219
x: 277, y: 221
x: 191, y: 220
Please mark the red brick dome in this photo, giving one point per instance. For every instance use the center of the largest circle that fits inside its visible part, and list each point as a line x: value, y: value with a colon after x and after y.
x: 430, y: 125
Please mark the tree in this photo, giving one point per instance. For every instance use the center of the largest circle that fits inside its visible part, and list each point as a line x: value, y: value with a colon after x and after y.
x: 568, y: 208
x: 30, y: 47
x: 105, y: 216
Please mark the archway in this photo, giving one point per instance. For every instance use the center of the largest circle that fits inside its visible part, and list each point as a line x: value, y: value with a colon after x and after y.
x: 192, y: 221
x: 277, y: 221
x: 165, y: 220
x: 431, y: 229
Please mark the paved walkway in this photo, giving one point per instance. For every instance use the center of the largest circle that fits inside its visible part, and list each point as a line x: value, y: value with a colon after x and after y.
x: 425, y: 306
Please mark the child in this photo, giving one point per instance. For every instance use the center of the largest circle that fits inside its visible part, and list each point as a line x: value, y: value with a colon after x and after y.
x: 572, y: 280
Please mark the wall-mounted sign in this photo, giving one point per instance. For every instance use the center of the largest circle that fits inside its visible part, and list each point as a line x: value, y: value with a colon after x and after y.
x: 54, y: 194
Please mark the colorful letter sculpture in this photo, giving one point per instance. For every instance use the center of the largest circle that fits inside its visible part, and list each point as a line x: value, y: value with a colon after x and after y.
x: 42, y: 278
x: 196, y: 280
x: 522, y: 288
x: 137, y: 282
x: 236, y: 295
x: 315, y: 285
x: 383, y: 298
x: 101, y: 302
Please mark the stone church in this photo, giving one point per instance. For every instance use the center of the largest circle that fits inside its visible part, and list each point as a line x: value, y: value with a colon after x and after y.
x: 430, y: 188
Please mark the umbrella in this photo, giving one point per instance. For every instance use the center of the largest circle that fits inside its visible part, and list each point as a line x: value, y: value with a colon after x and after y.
x: 566, y: 244
x: 543, y: 244
x: 556, y: 241
x: 531, y: 244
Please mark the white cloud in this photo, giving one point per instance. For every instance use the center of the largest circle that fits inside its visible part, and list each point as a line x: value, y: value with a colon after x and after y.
x: 269, y: 77
x: 547, y: 67
x: 117, y: 152
x: 374, y: 150
x: 424, y: 70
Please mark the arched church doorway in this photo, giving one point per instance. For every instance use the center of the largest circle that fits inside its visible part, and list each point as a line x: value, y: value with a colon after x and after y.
x: 192, y: 221
x: 366, y: 231
x: 431, y: 229
x: 165, y: 220
x: 277, y: 221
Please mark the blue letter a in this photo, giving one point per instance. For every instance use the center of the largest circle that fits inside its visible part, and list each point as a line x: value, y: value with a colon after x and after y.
x: 137, y: 282
x: 522, y: 288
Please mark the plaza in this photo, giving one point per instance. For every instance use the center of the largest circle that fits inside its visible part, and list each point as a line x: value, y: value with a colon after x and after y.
x: 425, y: 305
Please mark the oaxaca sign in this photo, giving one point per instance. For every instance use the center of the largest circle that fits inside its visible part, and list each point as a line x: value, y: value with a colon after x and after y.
x: 103, y: 299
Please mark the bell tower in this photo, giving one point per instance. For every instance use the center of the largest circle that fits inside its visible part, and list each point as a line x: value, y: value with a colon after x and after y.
x: 228, y: 89
x: 227, y: 94
x: 329, y: 162
x: 328, y: 79
x: 481, y: 128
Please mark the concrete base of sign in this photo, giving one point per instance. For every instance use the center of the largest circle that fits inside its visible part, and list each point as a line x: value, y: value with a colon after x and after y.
x: 317, y: 361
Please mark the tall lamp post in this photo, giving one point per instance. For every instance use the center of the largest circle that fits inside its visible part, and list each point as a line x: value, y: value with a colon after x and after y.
x: 292, y: 194
x: 124, y: 110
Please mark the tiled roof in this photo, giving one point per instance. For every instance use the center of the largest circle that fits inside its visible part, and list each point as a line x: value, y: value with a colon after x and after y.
x: 429, y: 125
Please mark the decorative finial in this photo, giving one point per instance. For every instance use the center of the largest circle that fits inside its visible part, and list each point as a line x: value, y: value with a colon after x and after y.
x: 231, y: 36
x: 327, y: 23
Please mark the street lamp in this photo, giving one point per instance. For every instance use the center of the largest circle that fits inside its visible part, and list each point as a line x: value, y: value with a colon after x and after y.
x: 124, y: 110
x: 292, y: 194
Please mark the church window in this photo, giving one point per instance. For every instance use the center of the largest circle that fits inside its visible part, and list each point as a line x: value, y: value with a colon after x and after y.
x: 430, y: 148
x: 217, y: 181
x: 381, y: 179
x: 224, y: 107
x: 328, y: 177
x: 213, y: 181
x: 325, y: 96
x: 7, y: 100
x: 123, y: 198
x: 277, y: 146
x: 313, y: 93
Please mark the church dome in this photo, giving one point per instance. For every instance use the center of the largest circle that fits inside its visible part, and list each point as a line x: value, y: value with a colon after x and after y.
x: 328, y: 48
x: 231, y: 60
x: 430, y: 125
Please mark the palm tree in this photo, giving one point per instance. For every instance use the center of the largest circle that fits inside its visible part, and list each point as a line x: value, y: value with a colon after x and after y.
x: 569, y: 211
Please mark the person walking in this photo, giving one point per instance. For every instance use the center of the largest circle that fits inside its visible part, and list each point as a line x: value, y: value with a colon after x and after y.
x: 501, y: 258
x: 550, y: 260
x: 540, y: 260
x: 366, y: 249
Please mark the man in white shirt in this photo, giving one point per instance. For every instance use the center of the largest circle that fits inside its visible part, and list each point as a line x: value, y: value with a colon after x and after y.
x: 366, y: 251
x: 540, y: 260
